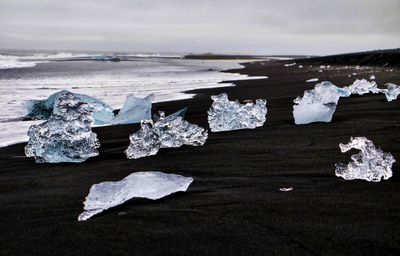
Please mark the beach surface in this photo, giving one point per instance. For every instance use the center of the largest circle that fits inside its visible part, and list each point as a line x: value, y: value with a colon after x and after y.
x: 234, y: 206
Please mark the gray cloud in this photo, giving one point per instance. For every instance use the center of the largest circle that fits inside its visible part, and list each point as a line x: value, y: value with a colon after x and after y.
x: 252, y: 26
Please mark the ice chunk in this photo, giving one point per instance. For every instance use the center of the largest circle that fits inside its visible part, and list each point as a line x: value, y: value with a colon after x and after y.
x: 151, y: 185
x: 134, y: 110
x: 42, y: 109
x: 290, y: 64
x: 371, y: 163
x: 66, y: 136
x: 372, y: 77
x: 312, y: 80
x: 164, y: 132
x: 362, y: 87
x: 180, y: 113
x: 226, y: 115
x: 318, y: 104
x: 286, y: 189
x: 393, y: 90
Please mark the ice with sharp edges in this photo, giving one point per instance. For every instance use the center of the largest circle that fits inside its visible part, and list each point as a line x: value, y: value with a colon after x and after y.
x: 66, y: 136
x: 164, y: 132
x: 392, y: 91
x: 43, y: 109
x: 134, y: 110
x: 362, y: 87
x: 151, y: 185
x: 318, y: 104
x: 371, y: 163
x: 226, y: 115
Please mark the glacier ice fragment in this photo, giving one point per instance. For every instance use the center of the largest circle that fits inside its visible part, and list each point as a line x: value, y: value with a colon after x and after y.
x: 312, y: 80
x: 134, y: 110
x: 43, y: 109
x: 66, y: 136
x: 371, y: 163
x: 226, y: 115
x: 392, y: 91
x: 151, y: 185
x: 318, y: 104
x: 362, y: 87
x: 286, y: 189
x: 164, y: 132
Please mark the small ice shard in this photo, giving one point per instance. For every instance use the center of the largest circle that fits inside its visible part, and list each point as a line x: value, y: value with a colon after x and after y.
x: 312, y: 80
x: 318, y: 104
x: 180, y: 113
x: 226, y: 115
x: 371, y: 163
x: 66, y: 136
x: 286, y: 189
x: 43, y: 109
x: 134, y: 110
x: 290, y: 64
x: 372, y: 77
x: 393, y: 90
x: 300, y: 66
x: 362, y: 87
x: 164, y: 132
x: 150, y: 185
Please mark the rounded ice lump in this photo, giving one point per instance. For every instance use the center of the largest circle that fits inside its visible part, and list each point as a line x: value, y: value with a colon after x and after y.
x: 66, y: 136
x: 226, y: 115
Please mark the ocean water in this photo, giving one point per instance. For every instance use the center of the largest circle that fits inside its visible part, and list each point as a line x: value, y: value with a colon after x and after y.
x: 36, y: 75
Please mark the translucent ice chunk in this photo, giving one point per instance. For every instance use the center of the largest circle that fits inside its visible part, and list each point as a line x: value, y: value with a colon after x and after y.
x: 151, y: 185
x: 318, y: 104
x: 226, y: 115
x: 165, y: 132
x: 66, y: 136
x: 371, y: 164
x: 362, y: 87
x: 42, y: 109
x: 393, y: 90
x: 134, y: 110
x: 312, y: 80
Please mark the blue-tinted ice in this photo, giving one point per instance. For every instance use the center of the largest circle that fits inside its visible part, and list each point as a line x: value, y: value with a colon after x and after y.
x: 66, y: 136
x: 318, y: 104
x: 43, y: 109
x: 134, y: 110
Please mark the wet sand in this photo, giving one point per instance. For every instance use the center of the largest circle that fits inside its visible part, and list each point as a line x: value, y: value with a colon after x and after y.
x: 234, y: 206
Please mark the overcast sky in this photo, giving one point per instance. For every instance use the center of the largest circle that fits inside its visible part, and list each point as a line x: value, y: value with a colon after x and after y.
x: 227, y: 26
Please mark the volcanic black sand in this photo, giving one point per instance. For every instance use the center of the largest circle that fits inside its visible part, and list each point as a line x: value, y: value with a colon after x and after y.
x: 234, y: 206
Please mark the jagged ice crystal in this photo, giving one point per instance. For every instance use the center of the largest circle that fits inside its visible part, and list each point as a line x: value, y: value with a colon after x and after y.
x: 226, y: 115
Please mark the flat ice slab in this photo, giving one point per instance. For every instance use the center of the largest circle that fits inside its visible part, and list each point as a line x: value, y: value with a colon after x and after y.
x: 150, y: 185
x: 312, y: 80
x: 226, y: 115
x: 370, y: 164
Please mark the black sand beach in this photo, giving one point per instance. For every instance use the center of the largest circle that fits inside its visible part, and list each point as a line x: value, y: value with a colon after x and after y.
x: 234, y: 206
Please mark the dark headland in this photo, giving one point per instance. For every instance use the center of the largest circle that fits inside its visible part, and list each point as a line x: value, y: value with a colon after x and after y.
x: 234, y: 206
